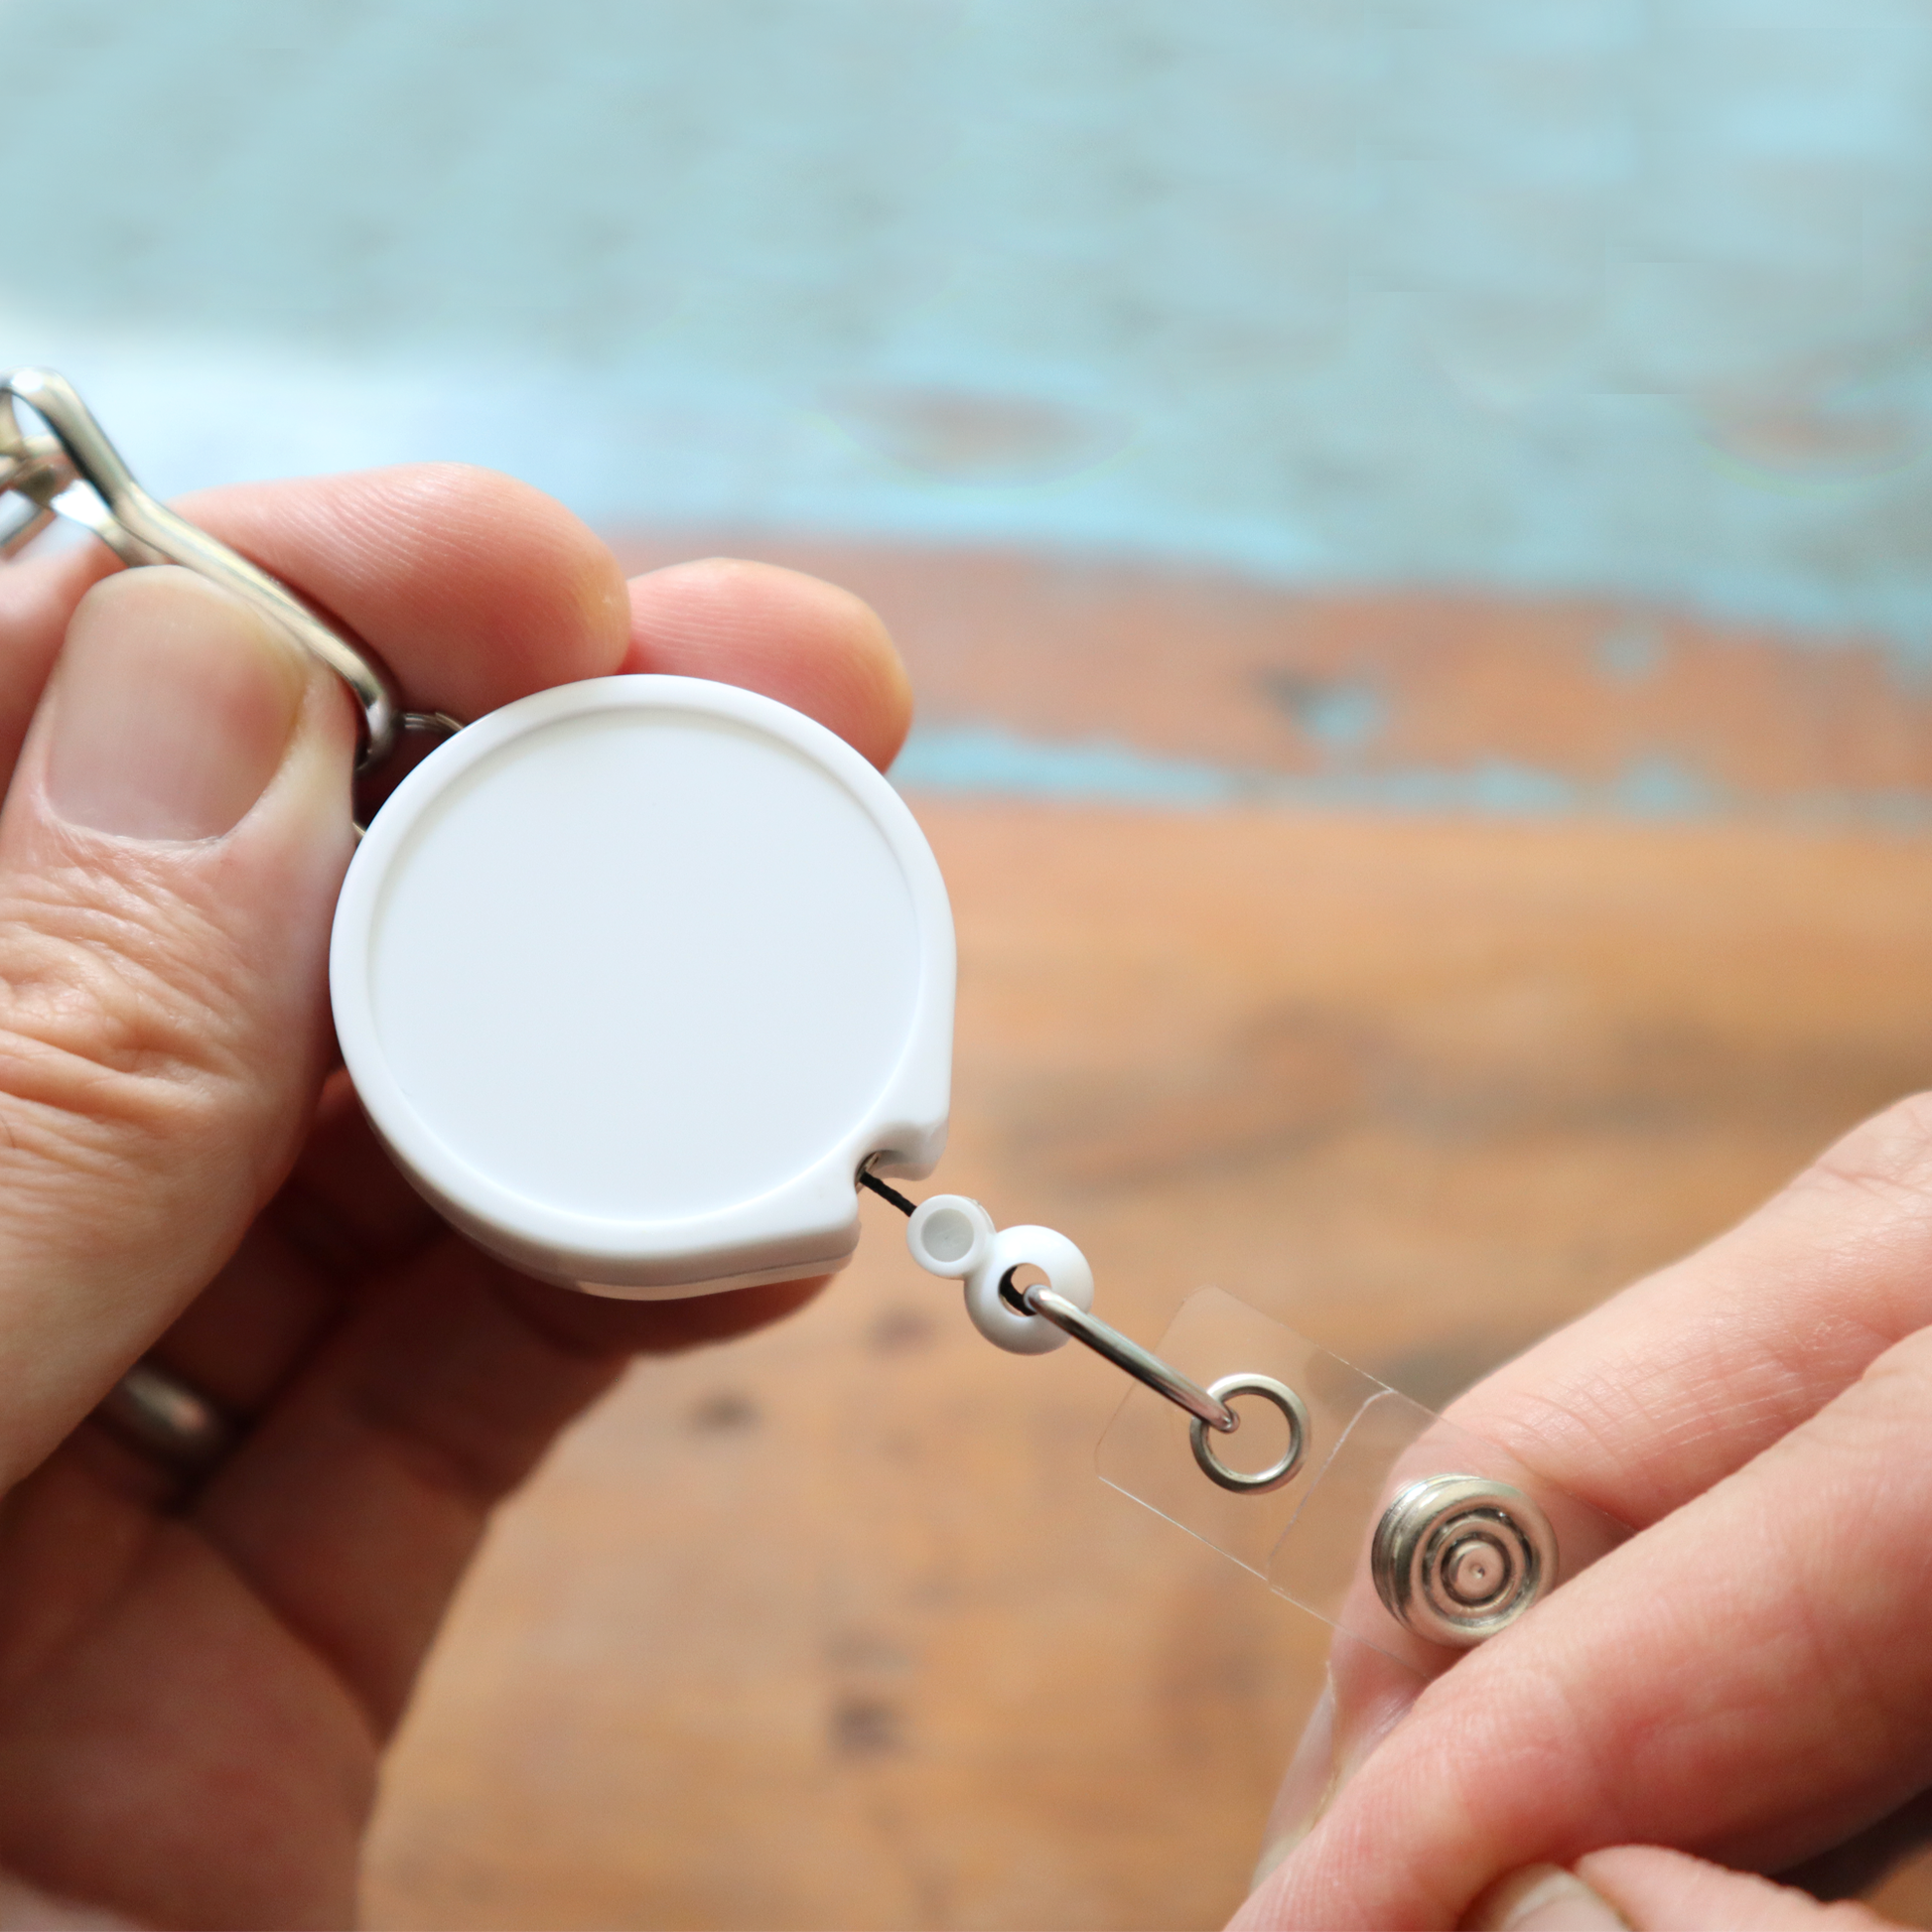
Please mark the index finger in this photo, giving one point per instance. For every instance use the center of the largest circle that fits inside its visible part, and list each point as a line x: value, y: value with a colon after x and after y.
x: 1678, y: 1381
x: 472, y: 588
x: 1658, y: 1396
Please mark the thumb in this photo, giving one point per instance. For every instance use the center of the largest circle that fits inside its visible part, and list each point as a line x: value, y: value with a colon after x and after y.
x: 169, y: 852
x: 1643, y: 1888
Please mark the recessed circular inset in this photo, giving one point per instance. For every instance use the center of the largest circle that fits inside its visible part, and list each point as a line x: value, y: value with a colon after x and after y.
x: 632, y: 976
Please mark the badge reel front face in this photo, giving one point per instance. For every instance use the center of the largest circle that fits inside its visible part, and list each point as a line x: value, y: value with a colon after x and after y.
x: 633, y: 976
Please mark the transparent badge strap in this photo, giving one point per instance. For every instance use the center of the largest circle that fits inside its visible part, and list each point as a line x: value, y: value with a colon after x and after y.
x: 1386, y: 1520
x: 1398, y: 1527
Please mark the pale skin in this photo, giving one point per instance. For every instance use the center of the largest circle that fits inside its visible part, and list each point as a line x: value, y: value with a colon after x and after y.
x: 196, y: 1685
x: 1747, y: 1681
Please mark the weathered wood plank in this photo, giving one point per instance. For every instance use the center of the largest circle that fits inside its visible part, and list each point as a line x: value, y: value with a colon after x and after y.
x: 836, y: 1628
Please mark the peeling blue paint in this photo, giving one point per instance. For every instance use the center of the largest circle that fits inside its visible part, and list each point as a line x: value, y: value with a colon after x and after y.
x: 1659, y: 788
x: 1342, y: 718
x: 987, y: 761
x: 1630, y: 653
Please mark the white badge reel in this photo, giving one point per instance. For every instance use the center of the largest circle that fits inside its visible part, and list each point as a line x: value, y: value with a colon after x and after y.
x: 642, y: 979
x: 633, y: 978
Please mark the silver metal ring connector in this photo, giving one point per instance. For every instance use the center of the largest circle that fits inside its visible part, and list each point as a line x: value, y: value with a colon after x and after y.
x: 1294, y: 1410
x: 1457, y: 1558
x: 438, y: 725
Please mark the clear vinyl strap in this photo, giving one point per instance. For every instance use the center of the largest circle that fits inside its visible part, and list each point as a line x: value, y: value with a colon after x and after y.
x: 1392, y: 1522
x: 1398, y: 1527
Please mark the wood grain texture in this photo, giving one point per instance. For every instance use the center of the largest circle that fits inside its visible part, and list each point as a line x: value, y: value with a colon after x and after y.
x: 836, y: 1628
x: 1271, y: 682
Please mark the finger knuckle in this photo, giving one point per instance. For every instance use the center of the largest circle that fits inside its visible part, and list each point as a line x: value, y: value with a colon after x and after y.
x: 113, y: 1021
x: 1888, y: 1157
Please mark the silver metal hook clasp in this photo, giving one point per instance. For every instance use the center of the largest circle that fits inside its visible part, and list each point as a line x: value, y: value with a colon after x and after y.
x: 74, y: 470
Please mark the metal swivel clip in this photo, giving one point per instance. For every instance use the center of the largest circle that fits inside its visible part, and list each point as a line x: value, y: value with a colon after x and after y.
x: 70, y: 469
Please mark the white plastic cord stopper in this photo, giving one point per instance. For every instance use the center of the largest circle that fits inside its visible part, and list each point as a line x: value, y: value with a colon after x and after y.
x: 949, y: 1235
x: 1066, y: 1271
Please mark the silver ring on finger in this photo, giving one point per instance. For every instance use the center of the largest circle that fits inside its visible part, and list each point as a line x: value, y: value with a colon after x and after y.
x: 167, y: 1420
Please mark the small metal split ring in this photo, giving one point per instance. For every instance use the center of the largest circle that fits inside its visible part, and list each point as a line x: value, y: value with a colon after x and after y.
x: 438, y: 725
x: 1282, y: 1470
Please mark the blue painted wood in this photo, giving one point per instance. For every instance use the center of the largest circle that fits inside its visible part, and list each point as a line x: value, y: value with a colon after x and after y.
x: 1621, y: 295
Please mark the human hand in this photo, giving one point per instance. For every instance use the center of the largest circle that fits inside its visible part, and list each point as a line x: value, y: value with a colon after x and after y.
x: 194, y: 1686
x: 1749, y: 1678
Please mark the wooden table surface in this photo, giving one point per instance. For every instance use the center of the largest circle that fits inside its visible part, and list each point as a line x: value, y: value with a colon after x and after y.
x: 835, y: 1627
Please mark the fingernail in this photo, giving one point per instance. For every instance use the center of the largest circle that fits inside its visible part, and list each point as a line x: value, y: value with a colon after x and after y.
x: 1304, y: 1787
x: 1543, y: 1898
x: 172, y: 705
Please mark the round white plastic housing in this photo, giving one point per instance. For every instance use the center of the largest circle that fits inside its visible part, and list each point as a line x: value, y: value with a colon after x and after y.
x: 633, y: 975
